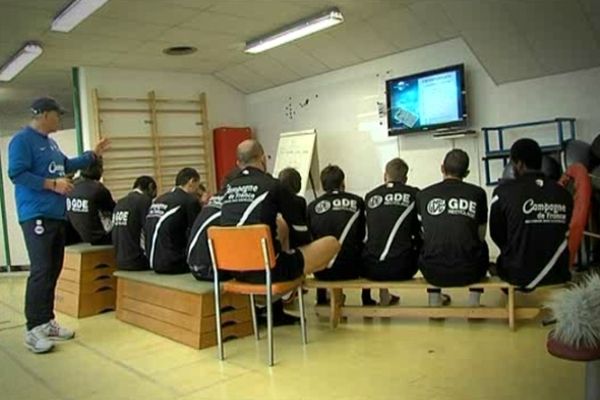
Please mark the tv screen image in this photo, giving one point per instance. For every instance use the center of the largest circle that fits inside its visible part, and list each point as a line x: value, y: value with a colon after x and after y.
x: 425, y: 101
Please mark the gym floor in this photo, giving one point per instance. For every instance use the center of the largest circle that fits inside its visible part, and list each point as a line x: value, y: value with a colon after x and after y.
x: 409, y: 359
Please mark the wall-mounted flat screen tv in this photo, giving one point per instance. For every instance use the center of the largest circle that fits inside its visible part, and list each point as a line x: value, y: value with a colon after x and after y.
x: 427, y: 101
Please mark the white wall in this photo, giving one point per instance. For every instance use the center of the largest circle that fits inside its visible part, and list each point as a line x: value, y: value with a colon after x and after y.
x: 67, y: 142
x: 343, y: 108
x: 226, y: 105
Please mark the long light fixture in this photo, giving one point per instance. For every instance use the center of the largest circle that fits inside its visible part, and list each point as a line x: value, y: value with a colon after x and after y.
x: 74, y: 13
x: 19, y: 61
x: 295, y: 31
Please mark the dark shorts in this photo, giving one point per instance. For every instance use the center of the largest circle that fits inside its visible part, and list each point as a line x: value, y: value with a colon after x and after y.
x: 390, y: 270
x: 289, y: 266
x: 339, y: 272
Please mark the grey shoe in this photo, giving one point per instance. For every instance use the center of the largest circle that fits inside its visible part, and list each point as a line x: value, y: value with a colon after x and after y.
x: 56, y: 332
x: 37, y: 341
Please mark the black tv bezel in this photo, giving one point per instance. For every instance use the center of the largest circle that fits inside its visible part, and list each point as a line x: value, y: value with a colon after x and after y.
x: 428, y: 128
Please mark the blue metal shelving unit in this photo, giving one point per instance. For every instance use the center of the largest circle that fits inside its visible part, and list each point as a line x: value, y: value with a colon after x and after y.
x: 565, y: 131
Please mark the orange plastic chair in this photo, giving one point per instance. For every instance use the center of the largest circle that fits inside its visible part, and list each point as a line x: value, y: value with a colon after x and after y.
x: 243, y: 249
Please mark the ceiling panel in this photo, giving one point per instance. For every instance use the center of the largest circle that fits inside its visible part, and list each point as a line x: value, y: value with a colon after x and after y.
x: 503, y: 54
x: 276, y: 71
x: 154, y: 12
x: 330, y: 51
x: 51, y: 5
x: 119, y: 28
x: 560, y: 35
x: 401, y: 28
x: 195, y: 4
x: 201, y: 40
x: 23, y: 24
x: 478, y: 15
x: 298, y: 60
x: 79, y: 41
x: 433, y: 16
x: 241, y: 28
x: 244, y: 79
x: 367, y: 8
x: 281, y: 13
x: 363, y: 40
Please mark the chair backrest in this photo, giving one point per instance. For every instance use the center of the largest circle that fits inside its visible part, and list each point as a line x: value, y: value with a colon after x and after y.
x: 240, y: 248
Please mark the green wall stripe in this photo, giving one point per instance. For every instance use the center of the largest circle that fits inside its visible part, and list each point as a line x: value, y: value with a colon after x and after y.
x: 77, y: 109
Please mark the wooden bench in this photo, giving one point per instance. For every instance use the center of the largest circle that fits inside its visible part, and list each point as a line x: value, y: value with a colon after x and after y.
x: 337, y: 309
x: 180, y: 308
x: 86, y: 285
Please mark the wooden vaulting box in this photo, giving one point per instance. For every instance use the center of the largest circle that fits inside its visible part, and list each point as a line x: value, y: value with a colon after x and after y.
x: 86, y: 285
x: 180, y: 308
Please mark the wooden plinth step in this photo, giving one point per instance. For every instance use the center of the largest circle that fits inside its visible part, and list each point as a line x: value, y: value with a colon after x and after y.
x: 179, y: 308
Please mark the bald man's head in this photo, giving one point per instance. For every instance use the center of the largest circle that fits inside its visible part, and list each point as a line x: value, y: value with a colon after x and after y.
x: 251, y: 153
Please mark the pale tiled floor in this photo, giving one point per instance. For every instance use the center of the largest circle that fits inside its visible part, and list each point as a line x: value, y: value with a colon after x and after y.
x: 370, y: 359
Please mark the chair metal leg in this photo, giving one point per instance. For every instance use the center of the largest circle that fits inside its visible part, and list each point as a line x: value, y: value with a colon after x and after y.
x: 217, y: 290
x: 302, y: 315
x: 254, y: 321
x: 270, y: 327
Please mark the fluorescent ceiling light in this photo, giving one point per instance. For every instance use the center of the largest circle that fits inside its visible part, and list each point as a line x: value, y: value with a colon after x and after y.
x: 20, y: 61
x: 295, y: 31
x: 74, y: 13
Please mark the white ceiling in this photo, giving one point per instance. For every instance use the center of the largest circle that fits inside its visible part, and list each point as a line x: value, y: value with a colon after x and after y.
x: 513, y: 39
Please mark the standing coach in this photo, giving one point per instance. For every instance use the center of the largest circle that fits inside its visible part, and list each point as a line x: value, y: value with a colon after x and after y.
x: 37, y: 168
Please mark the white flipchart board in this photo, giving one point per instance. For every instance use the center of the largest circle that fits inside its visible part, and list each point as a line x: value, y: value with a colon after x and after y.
x: 299, y: 150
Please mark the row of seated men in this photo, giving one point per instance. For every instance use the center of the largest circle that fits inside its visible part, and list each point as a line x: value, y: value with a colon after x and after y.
x: 394, y: 232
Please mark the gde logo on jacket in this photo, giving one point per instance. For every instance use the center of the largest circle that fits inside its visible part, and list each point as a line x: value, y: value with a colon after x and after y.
x: 375, y: 201
x: 120, y: 218
x: 323, y: 206
x: 77, y: 205
x: 436, y: 206
x: 454, y: 206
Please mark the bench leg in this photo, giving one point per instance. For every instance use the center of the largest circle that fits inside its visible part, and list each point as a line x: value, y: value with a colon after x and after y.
x: 592, y: 380
x: 254, y: 321
x: 302, y: 315
x: 336, y: 307
x: 510, y: 305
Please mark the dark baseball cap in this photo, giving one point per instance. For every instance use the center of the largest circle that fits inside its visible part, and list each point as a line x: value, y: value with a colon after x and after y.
x: 44, y: 104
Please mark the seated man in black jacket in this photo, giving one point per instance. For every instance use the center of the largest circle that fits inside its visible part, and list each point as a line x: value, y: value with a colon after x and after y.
x: 529, y: 221
x: 453, y: 215
x: 128, y: 225
x: 254, y: 197
x: 90, y: 206
x: 393, y: 232
x: 340, y: 214
x: 169, y: 222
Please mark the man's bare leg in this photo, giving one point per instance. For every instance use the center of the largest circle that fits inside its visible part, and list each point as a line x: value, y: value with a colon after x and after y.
x: 318, y: 253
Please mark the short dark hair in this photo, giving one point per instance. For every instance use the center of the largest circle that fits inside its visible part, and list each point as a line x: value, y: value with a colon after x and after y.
x: 527, y: 151
x: 291, y: 179
x: 396, y: 170
x: 185, y: 175
x: 456, y: 163
x: 332, y: 178
x: 145, y: 183
x: 95, y: 170
x: 201, y: 188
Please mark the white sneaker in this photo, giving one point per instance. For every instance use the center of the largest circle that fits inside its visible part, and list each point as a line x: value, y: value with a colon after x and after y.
x: 37, y: 341
x: 56, y: 332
